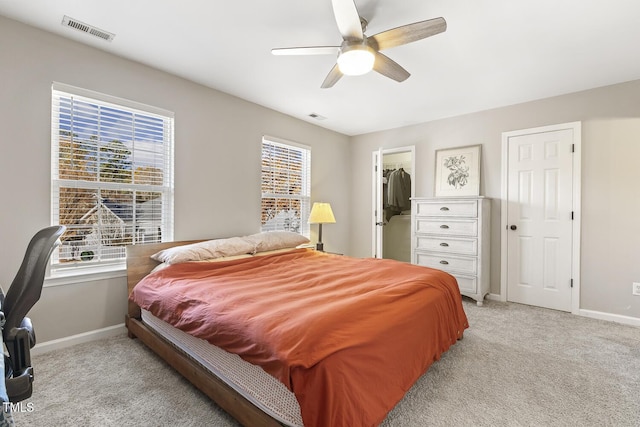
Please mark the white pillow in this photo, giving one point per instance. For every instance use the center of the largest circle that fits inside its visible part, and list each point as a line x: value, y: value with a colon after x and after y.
x: 270, y: 240
x: 205, y: 250
x: 221, y: 259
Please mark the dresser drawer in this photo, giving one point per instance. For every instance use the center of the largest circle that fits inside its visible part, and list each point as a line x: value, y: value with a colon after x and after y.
x: 447, y: 227
x: 447, y: 244
x: 464, y: 208
x: 450, y: 264
x: 467, y: 284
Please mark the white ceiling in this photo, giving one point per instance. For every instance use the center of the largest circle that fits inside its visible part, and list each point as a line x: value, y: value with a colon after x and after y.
x: 494, y: 52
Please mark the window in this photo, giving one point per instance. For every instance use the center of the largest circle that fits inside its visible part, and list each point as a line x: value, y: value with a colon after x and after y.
x: 111, y: 176
x: 286, y: 186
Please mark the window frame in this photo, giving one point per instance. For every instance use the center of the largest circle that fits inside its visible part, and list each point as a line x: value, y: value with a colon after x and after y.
x: 105, y: 268
x: 305, y: 187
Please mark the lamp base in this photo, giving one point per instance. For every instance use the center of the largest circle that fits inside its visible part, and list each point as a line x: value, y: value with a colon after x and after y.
x: 320, y: 246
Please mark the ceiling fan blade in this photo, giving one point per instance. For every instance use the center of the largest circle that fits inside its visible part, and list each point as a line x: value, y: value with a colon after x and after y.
x: 407, y: 33
x: 312, y: 50
x: 388, y: 67
x: 332, y: 78
x: 348, y: 19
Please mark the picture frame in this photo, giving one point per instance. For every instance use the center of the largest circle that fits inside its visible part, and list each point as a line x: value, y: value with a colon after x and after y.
x: 458, y: 171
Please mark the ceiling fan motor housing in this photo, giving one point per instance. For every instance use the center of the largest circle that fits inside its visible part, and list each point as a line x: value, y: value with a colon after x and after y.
x: 356, y: 57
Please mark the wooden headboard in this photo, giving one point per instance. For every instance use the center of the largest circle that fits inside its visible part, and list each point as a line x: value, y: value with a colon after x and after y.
x: 139, y: 264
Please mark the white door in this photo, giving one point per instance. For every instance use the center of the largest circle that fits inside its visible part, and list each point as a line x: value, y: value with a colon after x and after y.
x: 540, y: 216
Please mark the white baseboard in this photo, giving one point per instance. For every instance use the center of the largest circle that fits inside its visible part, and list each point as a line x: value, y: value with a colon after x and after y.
x: 58, y: 344
x: 627, y: 320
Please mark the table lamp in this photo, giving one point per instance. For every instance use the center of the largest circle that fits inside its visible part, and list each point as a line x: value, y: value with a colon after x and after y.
x: 321, y: 213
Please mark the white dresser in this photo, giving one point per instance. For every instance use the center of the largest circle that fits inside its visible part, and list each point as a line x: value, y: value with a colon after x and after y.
x: 453, y: 234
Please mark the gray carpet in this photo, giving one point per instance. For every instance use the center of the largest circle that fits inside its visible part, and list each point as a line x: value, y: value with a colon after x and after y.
x: 516, y: 366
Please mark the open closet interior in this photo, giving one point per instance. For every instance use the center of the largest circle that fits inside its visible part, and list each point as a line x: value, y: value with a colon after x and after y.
x: 396, y: 203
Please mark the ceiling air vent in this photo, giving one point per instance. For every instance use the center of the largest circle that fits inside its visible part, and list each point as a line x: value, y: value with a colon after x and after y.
x: 86, y: 28
x: 317, y: 116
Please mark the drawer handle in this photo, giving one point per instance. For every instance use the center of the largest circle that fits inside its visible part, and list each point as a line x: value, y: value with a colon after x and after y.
x: 445, y: 226
x: 444, y: 208
x: 444, y: 244
x: 444, y: 262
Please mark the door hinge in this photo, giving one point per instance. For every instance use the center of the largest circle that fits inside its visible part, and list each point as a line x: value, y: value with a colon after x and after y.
x: 572, y: 283
x: 571, y: 215
x: 573, y: 148
x: 376, y: 168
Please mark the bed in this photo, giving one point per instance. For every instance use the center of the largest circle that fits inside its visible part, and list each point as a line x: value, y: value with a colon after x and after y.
x: 342, y: 337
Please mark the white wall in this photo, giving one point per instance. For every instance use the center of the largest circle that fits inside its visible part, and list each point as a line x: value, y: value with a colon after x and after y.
x: 610, y: 115
x: 217, y: 162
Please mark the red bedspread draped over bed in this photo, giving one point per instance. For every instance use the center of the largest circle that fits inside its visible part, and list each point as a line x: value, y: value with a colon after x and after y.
x: 348, y: 336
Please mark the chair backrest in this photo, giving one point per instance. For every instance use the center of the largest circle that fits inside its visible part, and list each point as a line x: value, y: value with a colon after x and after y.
x: 26, y: 287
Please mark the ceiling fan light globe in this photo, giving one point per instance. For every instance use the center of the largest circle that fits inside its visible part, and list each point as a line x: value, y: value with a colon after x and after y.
x: 356, y: 62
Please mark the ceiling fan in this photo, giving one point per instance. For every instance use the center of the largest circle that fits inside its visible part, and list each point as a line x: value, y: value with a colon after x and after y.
x: 358, y: 54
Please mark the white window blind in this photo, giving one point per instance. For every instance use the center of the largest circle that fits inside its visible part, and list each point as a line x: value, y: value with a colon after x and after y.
x: 111, y: 175
x: 286, y: 186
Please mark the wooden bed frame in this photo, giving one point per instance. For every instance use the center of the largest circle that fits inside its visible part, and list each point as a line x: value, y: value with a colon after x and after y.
x: 139, y: 264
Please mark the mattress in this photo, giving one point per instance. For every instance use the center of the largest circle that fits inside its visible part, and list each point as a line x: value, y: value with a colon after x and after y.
x: 251, y: 381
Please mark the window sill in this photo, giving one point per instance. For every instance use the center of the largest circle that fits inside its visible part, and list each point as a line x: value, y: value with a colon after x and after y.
x: 70, y: 276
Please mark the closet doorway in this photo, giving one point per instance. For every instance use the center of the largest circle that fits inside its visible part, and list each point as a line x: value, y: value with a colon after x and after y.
x: 393, y: 188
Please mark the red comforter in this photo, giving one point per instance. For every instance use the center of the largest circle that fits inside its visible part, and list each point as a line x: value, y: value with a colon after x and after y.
x: 348, y: 336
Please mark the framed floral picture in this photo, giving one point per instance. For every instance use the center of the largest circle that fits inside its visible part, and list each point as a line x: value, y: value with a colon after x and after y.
x: 458, y: 171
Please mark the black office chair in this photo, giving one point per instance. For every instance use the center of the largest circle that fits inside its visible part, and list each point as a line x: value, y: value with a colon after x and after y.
x: 17, y: 332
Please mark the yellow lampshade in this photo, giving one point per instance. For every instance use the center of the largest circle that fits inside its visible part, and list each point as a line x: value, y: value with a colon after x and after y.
x: 321, y: 213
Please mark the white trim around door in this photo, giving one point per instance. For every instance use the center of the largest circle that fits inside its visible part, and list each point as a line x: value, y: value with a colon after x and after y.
x: 376, y: 195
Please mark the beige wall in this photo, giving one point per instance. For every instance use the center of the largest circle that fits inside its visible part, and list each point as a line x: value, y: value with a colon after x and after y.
x: 217, y: 169
x: 217, y: 162
x: 610, y: 254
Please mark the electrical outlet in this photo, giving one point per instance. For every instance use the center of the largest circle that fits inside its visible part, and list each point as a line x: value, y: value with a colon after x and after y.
x: 636, y: 289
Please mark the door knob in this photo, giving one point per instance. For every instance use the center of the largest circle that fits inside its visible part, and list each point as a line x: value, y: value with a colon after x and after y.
x: 513, y: 227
